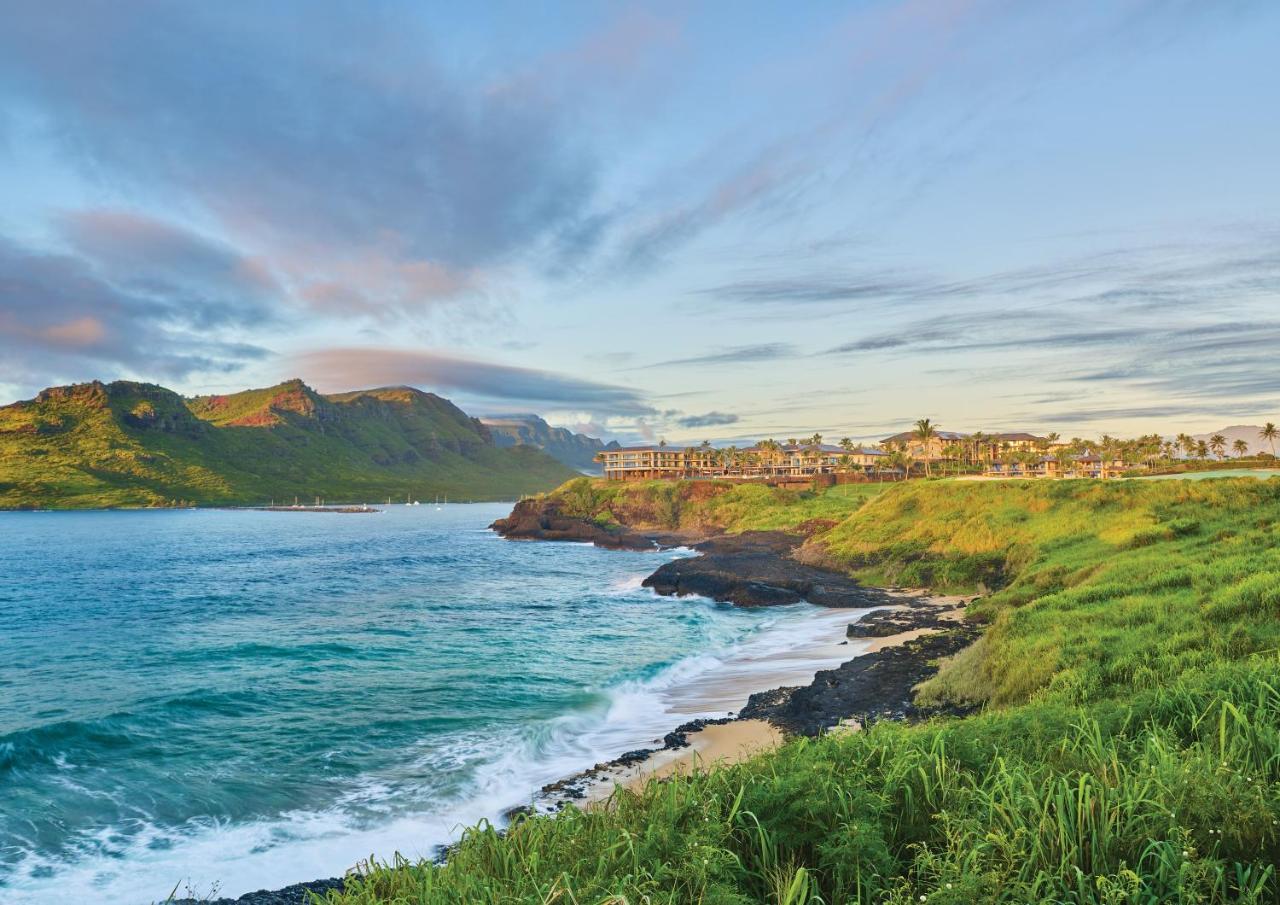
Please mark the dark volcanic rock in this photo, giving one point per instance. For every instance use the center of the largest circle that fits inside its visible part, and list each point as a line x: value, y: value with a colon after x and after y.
x: 875, y: 686
x: 290, y: 895
x: 543, y: 520
x: 756, y: 569
x: 883, y: 623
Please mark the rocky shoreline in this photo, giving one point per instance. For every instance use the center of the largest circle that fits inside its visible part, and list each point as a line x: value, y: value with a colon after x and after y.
x: 911, y: 632
x: 909, y: 639
x: 756, y: 569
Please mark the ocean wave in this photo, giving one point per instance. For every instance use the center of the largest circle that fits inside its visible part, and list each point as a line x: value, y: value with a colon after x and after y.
x: 413, y: 807
x: 270, y: 701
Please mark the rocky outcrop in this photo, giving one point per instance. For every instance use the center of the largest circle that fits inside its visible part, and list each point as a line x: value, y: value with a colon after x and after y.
x: 875, y: 686
x: 886, y: 623
x: 756, y: 569
x: 541, y: 519
x: 290, y: 895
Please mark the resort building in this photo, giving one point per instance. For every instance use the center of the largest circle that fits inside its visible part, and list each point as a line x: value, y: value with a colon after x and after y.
x: 1016, y: 441
x: 799, y: 459
x: 1083, y: 466
x: 639, y: 463
x: 935, y: 450
x: 762, y: 461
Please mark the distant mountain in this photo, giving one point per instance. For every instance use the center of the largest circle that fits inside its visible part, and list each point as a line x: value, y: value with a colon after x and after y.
x: 138, y: 444
x: 575, y: 450
x: 1246, y: 432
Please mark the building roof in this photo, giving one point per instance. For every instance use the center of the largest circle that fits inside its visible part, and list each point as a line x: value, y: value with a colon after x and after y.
x: 909, y: 436
x: 805, y: 447
x: 671, y: 449
x: 1014, y: 437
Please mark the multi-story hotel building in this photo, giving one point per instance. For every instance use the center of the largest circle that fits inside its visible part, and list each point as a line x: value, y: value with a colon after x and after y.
x: 760, y: 461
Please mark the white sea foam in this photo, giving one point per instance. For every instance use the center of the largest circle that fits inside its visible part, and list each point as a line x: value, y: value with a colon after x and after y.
x: 491, y: 773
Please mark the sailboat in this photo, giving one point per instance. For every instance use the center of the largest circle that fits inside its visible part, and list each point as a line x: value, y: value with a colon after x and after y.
x: 446, y: 500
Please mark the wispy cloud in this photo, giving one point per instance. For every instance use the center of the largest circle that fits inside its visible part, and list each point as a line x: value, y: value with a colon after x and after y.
x: 63, y: 318
x: 337, y: 369
x: 1168, y: 411
x: 1124, y: 278
x: 371, y: 179
x: 211, y: 281
x: 734, y: 355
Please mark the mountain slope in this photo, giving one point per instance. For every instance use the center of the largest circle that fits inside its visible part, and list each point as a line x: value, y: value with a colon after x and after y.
x: 575, y: 450
x: 1249, y: 433
x: 136, y: 444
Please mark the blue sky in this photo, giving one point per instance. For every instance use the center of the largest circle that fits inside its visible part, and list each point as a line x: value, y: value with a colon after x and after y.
x: 689, y: 221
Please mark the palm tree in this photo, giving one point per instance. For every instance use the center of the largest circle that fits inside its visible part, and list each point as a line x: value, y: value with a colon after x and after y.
x: 1106, y: 453
x: 771, y: 449
x: 1240, y: 447
x: 953, y: 452
x: 1063, y: 455
x: 925, y: 432
x: 978, y: 439
x: 1218, y: 444
x: 846, y: 443
x: 1269, y: 433
x: 1202, y: 449
x: 899, y: 460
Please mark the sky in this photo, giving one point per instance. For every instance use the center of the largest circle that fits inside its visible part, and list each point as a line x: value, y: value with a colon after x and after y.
x: 686, y: 221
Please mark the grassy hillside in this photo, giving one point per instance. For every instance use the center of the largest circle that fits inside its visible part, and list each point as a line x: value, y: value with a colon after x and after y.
x: 133, y: 444
x: 1128, y: 749
x: 706, y: 506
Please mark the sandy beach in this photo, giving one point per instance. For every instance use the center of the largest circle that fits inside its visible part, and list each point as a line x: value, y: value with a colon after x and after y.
x: 732, y: 739
x: 726, y: 743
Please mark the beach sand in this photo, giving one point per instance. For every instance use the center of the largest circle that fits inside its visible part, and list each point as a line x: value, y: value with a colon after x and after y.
x: 735, y: 741
x: 727, y: 743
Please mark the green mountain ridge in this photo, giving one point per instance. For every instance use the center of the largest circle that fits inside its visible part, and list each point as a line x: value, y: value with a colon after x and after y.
x: 137, y: 444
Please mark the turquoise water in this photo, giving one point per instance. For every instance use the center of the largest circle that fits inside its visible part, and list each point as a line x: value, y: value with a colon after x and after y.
x: 251, y: 699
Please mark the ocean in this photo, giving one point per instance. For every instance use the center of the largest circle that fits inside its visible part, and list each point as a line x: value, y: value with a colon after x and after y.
x: 228, y: 700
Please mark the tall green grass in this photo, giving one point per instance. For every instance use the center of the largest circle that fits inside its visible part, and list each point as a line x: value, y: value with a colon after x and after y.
x: 1128, y: 749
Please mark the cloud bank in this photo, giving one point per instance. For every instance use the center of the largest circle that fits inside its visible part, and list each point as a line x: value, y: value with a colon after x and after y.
x: 338, y: 369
